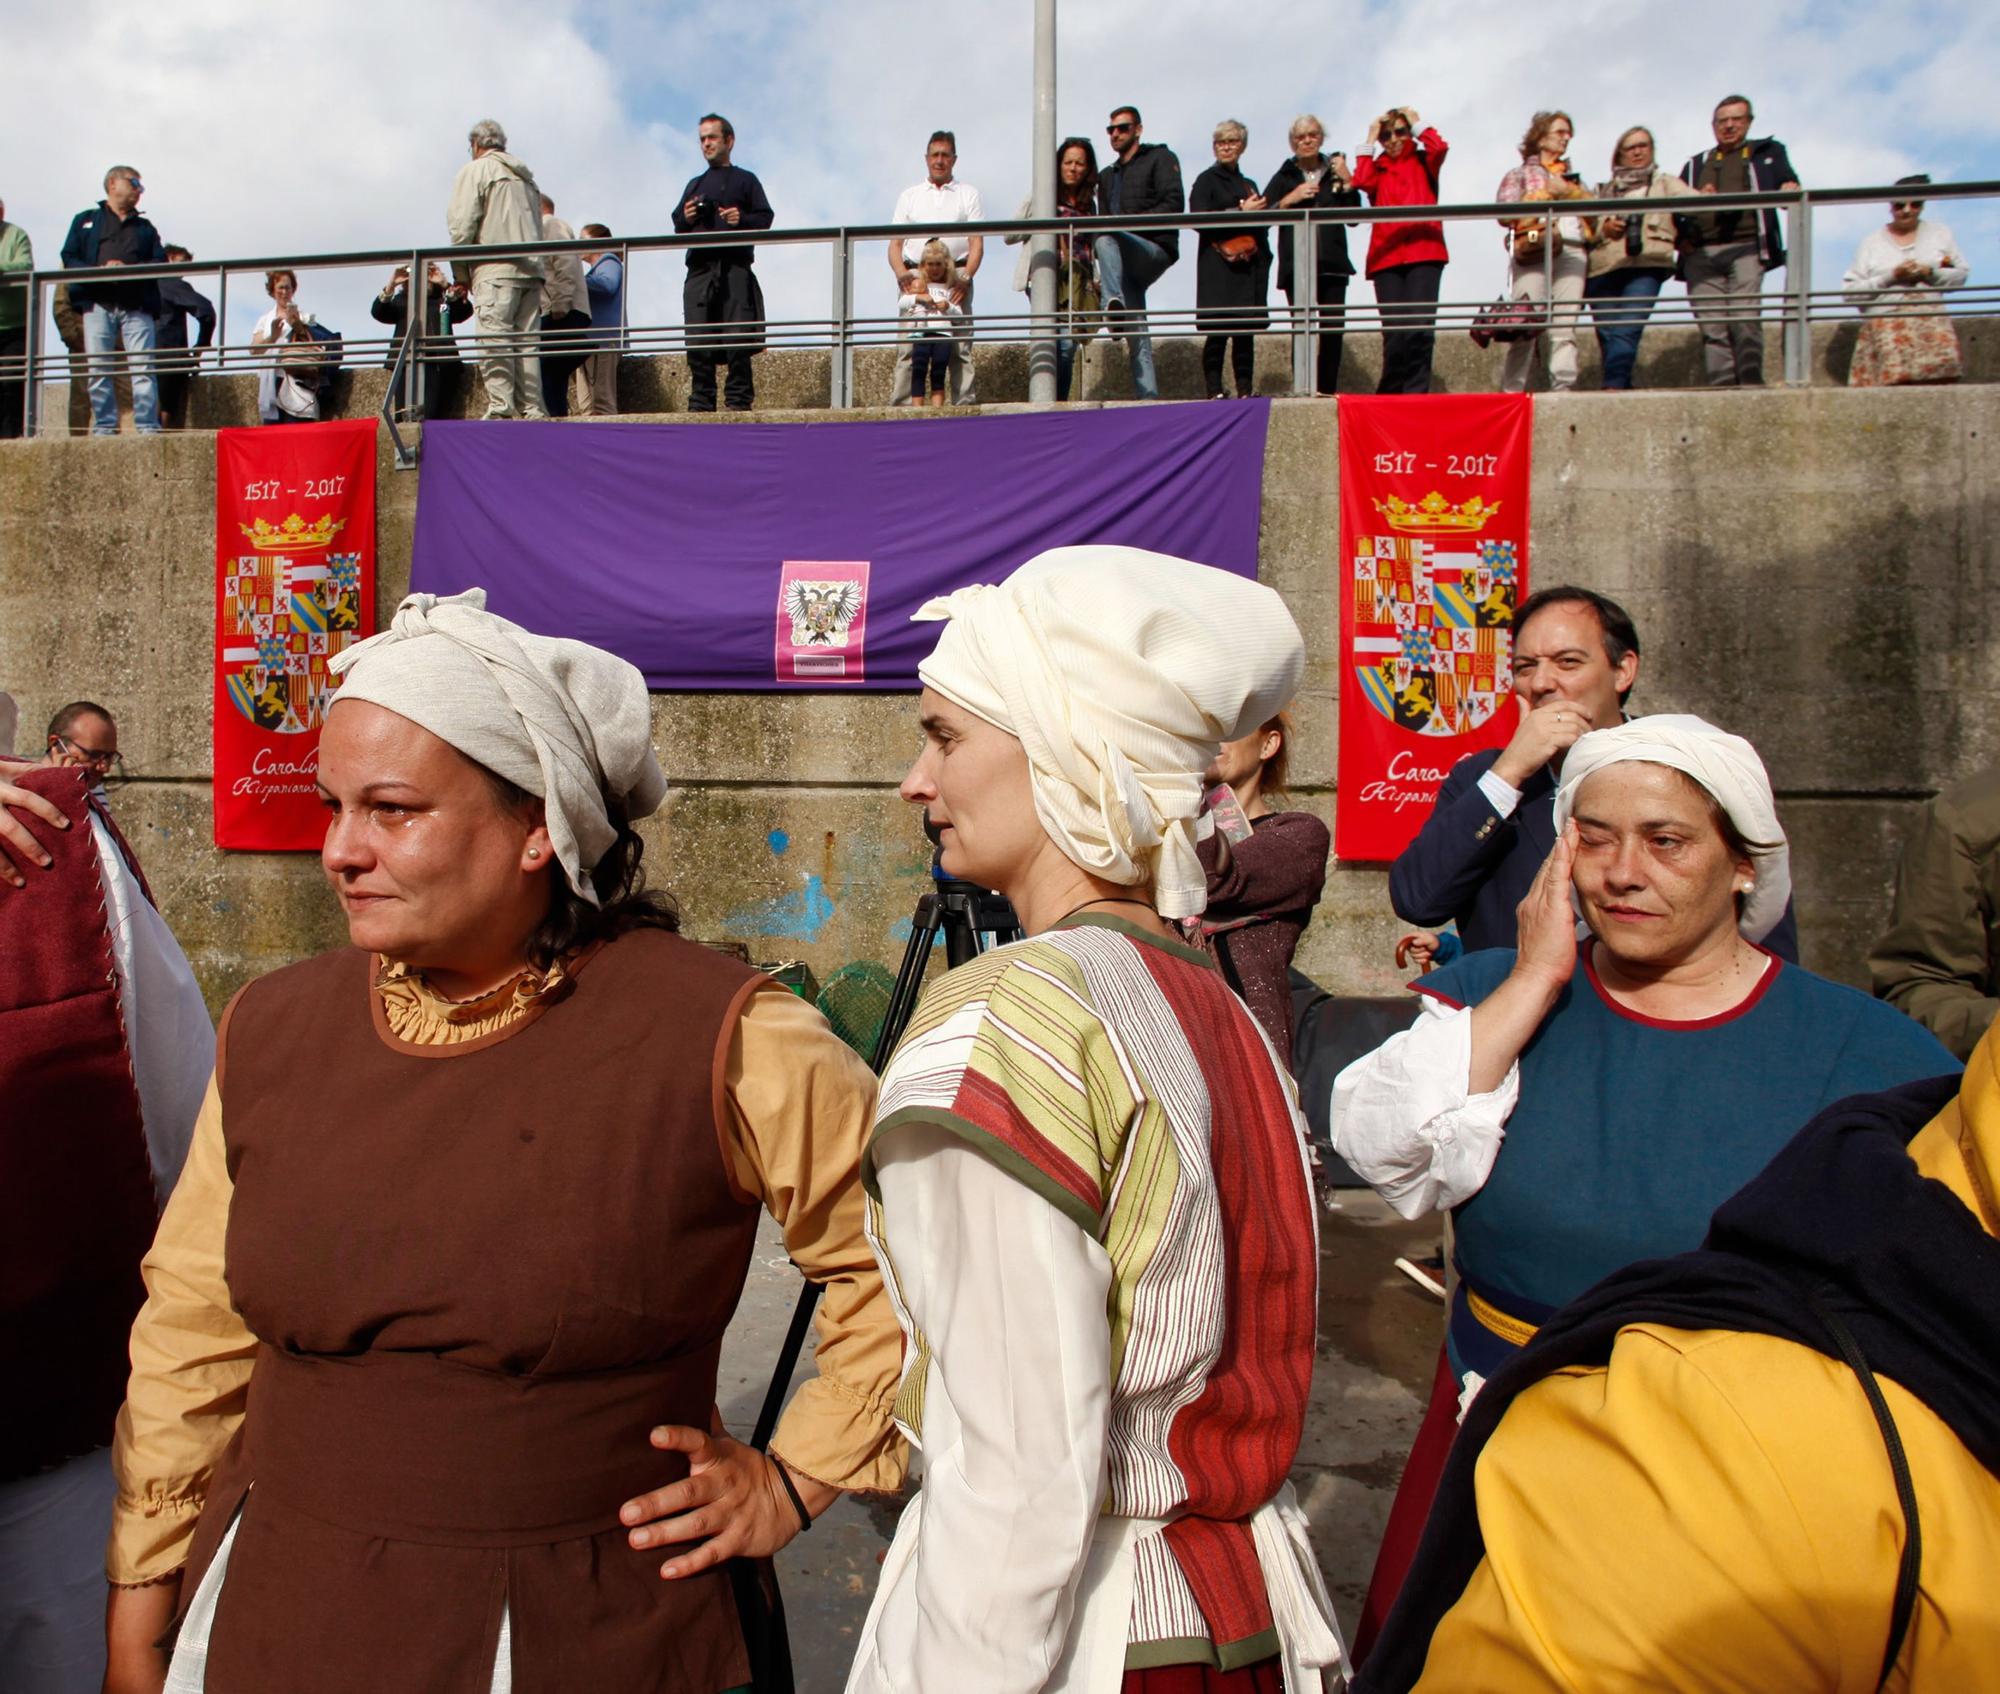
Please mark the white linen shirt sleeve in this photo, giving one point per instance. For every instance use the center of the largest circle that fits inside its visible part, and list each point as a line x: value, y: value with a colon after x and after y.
x: 167, y: 1028
x: 1503, y: 795
x: 1405, y: 1118
x: 1010, y: 1295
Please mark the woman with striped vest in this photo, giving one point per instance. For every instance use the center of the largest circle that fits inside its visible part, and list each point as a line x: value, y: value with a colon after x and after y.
x: 1090, y: 1186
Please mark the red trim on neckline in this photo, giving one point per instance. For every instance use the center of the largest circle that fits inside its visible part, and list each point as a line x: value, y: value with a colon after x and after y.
x: 1773, y: 967
x: 1437, y: 994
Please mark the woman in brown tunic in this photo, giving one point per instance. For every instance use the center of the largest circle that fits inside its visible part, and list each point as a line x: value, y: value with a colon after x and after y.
x: 469, y: 1207
x: 1262, y: 887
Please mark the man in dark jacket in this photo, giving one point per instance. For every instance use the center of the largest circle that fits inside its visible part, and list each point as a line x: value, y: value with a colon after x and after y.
x: 178, y: 303
x: 446, y: 304
x: 1144, y: 179
x: 1576, y: 659
x: 113, y: 233
x: 1940, y: 957
x: 1724, y: 255
x: 721, y: 287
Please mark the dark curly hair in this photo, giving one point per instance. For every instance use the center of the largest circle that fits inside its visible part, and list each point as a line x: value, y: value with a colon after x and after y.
x: 619, y: 877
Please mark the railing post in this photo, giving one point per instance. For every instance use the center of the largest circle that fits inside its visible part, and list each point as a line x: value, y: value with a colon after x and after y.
x: 1798, y: 274
x: 1305, y: 307
x: 31, y: 384
x: 840, y: 386
x: 416, y: 321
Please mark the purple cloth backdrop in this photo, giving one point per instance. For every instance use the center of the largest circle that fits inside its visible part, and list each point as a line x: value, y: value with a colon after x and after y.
x: 666, y: 543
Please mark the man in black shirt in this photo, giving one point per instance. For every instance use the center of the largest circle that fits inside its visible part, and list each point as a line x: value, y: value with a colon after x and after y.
x: 113, y: 233
x: 1144, y: 179
x: 721, y: 287
x: 178, y: 303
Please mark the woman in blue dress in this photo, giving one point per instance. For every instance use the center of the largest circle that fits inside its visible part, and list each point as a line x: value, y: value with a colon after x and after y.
x: 1580, y: 1103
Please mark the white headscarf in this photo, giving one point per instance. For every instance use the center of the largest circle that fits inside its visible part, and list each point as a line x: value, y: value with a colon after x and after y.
x: 1121, y: 672
x: 562, y: 720
x: 1725, y: 765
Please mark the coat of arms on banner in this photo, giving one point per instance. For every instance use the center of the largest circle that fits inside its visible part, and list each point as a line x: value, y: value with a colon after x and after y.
x: 822, y: 620
x: 1433, y: 637
x: 283, y: 619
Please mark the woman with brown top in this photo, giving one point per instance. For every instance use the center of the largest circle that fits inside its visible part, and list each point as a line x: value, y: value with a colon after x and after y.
x: 436, y: 1309
x: 1263, y: 885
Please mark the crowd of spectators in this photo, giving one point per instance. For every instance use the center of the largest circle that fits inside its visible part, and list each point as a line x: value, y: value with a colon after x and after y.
x: 548, y: 329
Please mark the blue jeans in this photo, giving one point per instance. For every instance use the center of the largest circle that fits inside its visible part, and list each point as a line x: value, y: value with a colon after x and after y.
x: 1620, y: 326
x: 104, y: 327
x: 1128, y: 265
x: 930, y: 363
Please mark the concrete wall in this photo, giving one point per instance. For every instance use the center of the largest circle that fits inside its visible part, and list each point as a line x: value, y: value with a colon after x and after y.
x: 1816, y: 569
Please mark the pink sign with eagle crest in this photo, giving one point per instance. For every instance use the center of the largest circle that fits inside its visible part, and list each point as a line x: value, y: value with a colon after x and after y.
x: 822, y: 620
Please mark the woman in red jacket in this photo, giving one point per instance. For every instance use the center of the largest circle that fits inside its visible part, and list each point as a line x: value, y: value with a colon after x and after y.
x: 1405, y: 261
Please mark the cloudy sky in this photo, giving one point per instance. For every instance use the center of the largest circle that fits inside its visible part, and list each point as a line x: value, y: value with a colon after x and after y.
x: 267, y: 129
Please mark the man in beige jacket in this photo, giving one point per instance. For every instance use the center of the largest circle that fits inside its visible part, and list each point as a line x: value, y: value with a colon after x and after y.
x: 495, y: 203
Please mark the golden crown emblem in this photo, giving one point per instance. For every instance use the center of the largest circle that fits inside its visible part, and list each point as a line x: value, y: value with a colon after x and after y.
x: 294, y: 535
x: 1434, y: 514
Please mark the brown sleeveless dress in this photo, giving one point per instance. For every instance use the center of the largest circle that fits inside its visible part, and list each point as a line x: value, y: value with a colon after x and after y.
x: 479, y: 1274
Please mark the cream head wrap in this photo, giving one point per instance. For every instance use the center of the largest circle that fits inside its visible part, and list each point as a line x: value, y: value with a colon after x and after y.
x: 562, y: 720
x: 1121, y: 672
x: 1726, y: 766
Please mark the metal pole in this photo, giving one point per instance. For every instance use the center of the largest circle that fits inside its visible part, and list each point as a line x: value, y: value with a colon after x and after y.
x: 840, y: 377
x: 416, y: 320
x: 1305, y: 306
x: 1798, y: 331
x: 31, y: 382
x: 1042, y: 204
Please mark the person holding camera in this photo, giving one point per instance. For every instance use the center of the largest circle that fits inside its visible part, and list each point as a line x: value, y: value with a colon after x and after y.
x: 1630, y: 257
x: 1232, y: 267
x: 1323, y: 181
x: 1549, y: 254
x: 721, y: 287
x: 446, y: 304
x: 292, y: 385
x: 1405, y: 260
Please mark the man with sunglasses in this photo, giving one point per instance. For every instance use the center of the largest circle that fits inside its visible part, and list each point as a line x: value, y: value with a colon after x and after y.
x: 1144, y: 179
x: 1724, y: 255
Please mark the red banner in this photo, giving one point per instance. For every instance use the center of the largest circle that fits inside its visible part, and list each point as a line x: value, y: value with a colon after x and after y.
x: 1433, y: 561
x: 294, y: 584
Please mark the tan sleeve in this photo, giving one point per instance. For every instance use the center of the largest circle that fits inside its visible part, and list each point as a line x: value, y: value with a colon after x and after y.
x: 191, y: 1357
x: 799, y: 1104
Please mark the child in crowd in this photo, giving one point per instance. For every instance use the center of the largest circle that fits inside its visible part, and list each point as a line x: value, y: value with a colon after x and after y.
x: 929, y: 308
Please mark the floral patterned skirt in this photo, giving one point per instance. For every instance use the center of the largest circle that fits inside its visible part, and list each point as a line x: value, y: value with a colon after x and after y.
x: 1906, y: 343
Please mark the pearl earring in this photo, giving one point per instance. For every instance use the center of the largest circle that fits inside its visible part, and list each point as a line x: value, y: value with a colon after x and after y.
x: 534, y: 852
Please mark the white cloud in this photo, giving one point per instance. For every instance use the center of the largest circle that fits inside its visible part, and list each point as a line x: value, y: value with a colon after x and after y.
x: 263, y: 131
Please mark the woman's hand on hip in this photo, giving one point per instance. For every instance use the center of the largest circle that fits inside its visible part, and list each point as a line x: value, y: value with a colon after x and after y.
x: 731, y: 1504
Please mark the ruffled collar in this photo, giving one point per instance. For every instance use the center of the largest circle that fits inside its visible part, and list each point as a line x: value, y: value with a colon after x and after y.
x: 417, y: 1013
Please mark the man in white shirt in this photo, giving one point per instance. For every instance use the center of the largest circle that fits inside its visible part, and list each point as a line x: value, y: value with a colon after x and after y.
x: 939, y: 200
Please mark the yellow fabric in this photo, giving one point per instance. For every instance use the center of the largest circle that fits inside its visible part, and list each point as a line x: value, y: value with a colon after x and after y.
x: 1715, y: 1511
x: 1514, y: 1331
x: 800, y: 1107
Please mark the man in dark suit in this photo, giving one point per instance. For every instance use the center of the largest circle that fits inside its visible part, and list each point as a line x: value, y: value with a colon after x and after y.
x: 1576, y: 658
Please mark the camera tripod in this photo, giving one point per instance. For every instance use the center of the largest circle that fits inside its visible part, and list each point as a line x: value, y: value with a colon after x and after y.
x: 962, y: 912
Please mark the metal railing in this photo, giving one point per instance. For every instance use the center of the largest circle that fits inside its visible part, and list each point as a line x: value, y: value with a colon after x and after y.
x: 843, y: 331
